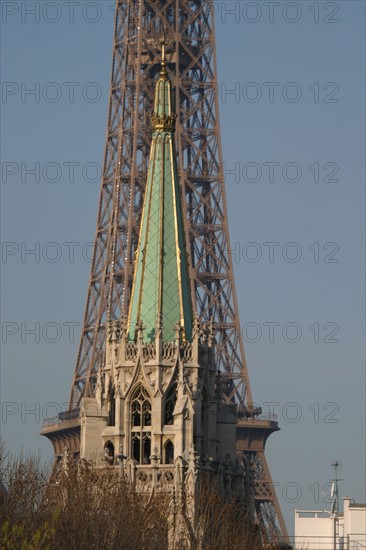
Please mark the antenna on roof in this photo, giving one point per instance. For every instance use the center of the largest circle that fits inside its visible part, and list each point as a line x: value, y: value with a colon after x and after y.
x: 334, y: 493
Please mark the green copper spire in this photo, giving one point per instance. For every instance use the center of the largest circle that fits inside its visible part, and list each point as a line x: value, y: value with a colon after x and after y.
x: 161, y: 286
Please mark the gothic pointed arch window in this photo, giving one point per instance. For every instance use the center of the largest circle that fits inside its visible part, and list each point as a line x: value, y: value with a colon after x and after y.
x: 109, y: 452
x: 141, y: 425
x: 169, y: 452
x: 170, y: 405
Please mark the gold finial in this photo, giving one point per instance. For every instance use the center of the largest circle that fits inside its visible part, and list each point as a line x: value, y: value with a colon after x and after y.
x: 163, y: 62
x: 163, y: 44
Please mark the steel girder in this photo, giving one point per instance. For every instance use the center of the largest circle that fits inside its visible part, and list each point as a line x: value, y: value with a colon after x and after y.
x: 188, y: 28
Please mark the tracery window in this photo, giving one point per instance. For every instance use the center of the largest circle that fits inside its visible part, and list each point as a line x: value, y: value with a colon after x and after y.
x: 170, y: 405
x: 141, y: 426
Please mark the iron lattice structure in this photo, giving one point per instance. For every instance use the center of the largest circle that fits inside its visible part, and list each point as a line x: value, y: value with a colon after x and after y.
x: 188, y: 27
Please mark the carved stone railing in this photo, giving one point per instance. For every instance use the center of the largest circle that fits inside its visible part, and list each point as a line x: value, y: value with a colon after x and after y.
x: 149, y: 351
x: 169, y: 351
x: 130, y: 351
x: 186, y: 352
x: 161, y: 477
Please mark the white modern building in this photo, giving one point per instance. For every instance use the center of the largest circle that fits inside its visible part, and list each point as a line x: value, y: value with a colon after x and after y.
x: 322, y: 530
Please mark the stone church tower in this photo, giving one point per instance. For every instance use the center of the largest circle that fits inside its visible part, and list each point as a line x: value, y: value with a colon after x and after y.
x: 158, y: 408
x: 160, y: 413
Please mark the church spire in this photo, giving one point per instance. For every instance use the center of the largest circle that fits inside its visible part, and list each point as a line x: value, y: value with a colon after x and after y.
x: 161, y: 285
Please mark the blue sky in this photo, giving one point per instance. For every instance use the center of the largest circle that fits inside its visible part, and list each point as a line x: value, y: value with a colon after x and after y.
x: 291, y: 86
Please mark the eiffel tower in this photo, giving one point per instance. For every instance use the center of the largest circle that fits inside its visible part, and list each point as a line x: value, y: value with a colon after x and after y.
x: 188, y: 28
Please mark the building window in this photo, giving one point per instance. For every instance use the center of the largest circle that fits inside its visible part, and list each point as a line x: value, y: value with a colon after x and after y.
x: 111, y: 408
x: 141, y: 426
x: 109, y: 452
x: 170, y: 405
x: 169, y: 452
